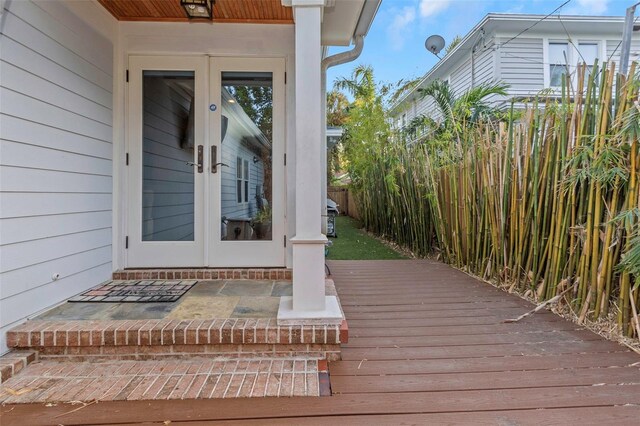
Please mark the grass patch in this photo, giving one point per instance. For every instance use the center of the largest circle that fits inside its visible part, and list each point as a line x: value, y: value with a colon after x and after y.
x: 355, y: 244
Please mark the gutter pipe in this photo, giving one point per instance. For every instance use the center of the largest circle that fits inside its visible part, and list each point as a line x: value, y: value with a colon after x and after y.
x: 344, y: 57
x: 328, y: 62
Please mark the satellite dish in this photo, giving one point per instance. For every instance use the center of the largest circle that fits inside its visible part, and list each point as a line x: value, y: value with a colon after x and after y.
x: 434, y: 44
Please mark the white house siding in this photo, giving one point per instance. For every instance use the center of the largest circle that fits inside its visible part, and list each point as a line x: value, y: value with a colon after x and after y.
x: 168, y: 181
x: 55, y: 158
x: 426, y: 106
x: 461, y: 77
x: 484, y: 65
x: 614, y: 50
x: 522, y: 65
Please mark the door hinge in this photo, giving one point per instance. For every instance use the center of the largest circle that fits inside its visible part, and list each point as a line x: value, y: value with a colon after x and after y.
x: 285, y: 159
x: 127, y: 159
x: 285, y: 78
x: 127, y: 75
x: 126, y: 242
x: 285, y: 240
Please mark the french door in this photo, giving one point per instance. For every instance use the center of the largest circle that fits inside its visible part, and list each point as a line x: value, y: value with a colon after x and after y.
x: 206, y: 171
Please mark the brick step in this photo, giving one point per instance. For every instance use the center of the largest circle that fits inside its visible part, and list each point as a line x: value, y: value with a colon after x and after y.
x: 13, y: 362
x: 205, y: 274
x: 49, y: 381
x: 150, y: 339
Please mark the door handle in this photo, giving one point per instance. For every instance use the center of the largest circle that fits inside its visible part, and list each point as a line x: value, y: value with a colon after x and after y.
x: 214, y: 160
x: 200, y: 158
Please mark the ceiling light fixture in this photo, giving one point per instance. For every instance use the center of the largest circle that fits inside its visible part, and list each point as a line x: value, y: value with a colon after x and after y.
x: 198, y: 9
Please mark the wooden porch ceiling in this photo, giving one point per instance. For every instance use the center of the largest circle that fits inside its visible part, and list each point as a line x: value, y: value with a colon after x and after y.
x: 230, y: 11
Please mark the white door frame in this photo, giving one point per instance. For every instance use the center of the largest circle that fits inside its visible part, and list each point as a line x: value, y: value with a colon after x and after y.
x: 249, y: 253
x: 207, y: 249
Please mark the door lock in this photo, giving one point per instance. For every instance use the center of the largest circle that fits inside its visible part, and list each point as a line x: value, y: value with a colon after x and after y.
x: 200, y: 158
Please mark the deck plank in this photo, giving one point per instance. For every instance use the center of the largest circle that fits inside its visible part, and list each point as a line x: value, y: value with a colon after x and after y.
x: 622, y: 416
x: 488, y: 380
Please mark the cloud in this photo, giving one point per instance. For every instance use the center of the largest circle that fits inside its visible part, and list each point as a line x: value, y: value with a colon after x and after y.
x: 398, y: 30
x: 594, y: 6
x: 588, y: 7
x: 433, y: 7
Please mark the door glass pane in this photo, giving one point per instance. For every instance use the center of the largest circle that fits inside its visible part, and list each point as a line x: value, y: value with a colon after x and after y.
x: 167, y: 156
x: 247, y: 129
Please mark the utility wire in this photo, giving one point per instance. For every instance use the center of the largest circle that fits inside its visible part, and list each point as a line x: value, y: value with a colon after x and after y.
x: 534, y: 24
x: 570, y: 39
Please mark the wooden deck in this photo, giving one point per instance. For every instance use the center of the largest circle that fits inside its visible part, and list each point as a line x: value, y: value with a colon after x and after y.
x: 428, y: 345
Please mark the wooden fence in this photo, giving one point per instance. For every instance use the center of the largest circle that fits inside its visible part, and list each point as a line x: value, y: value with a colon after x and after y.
x: 345, y: 200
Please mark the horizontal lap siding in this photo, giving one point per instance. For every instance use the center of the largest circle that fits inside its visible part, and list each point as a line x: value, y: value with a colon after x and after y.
x: 461, y: 77
x: 522, y: 65
x: 56, y: 158
x: 484, y: 65
x: 485, y: 73
x: 427, y: 106
x: 614, y: 48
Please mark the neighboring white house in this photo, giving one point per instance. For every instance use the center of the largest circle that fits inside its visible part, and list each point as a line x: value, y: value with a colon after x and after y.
x: 126, y: 142
x: 527, y: 52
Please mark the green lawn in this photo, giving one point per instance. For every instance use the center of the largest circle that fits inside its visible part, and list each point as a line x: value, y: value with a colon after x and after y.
x: 353, y: 244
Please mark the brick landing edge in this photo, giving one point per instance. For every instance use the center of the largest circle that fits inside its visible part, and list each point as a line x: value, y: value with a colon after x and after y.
x: 149, y: 339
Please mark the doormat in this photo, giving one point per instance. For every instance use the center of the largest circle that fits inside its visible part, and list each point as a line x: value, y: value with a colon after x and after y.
x: 136, y: 291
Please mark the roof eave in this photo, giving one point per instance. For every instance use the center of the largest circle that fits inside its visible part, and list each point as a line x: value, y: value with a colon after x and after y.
x: 368, y: 13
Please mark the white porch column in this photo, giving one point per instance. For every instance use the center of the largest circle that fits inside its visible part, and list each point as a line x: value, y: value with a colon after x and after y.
x: 309, y: 303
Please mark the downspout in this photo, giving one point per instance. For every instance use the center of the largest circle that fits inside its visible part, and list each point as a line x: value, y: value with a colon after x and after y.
x: 344, y: 57
x: 473, y: 59
x: 328, y: 62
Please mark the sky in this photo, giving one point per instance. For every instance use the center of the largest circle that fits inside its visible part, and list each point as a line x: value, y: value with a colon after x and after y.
x: 394, y: 46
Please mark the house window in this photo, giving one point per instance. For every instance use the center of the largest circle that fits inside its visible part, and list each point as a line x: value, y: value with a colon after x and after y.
x: 563, y: 56
x: 242, y: 180
x: 588, y: 55
x: 558, y: 56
